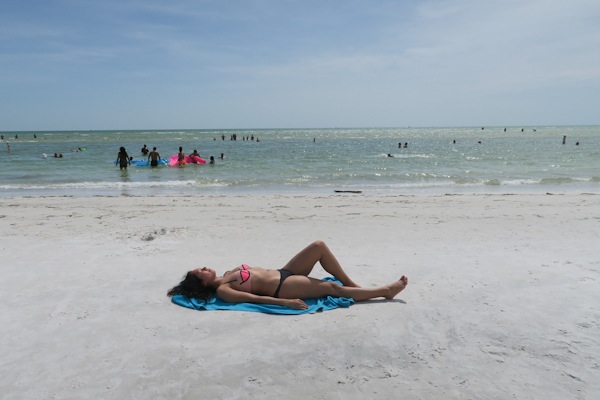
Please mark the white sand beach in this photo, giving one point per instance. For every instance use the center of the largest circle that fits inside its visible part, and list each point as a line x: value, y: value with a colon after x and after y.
x: 503, y: 300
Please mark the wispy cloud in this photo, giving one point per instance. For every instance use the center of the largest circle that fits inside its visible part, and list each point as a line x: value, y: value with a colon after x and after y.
x: 422, y: 59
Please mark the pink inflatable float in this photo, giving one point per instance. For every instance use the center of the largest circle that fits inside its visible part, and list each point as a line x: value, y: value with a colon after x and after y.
x: 188, y: 160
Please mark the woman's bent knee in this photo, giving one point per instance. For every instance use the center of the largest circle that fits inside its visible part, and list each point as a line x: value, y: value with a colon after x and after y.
x: 319, y: 243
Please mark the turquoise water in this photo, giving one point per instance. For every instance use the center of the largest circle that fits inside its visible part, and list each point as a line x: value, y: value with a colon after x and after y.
x: 307, y: 161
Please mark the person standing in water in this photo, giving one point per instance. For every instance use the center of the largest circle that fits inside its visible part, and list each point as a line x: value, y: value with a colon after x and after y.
x: 123, y: 158
x: 153, y: 157
x: 181, y: 157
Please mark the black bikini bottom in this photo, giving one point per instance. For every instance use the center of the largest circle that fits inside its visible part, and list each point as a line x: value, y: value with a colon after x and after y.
x: 284, y: 274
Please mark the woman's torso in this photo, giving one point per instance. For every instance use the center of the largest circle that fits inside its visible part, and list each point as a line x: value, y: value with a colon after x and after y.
x: 255, y: 280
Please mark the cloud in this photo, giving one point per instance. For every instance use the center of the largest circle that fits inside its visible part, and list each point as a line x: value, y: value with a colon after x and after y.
x: 387, y: 61
x: 515, y: 43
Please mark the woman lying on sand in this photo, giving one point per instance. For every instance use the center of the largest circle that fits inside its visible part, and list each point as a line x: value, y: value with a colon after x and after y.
x: 286, y: 286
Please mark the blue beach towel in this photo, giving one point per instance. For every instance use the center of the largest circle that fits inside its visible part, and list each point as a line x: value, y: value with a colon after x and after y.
x: 314, y: 305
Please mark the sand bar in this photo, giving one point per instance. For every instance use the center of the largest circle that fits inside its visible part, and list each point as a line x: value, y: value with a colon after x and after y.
x: 503, y: 300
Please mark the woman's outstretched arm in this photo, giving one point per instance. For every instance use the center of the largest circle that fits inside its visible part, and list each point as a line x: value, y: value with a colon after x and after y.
x: 230, y: 295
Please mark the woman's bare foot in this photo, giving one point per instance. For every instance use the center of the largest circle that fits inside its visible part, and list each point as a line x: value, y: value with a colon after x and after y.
x: 397, y: 287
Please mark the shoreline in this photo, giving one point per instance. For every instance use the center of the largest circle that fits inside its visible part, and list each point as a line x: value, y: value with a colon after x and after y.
x: 501, y: 301
x: 136, y: 192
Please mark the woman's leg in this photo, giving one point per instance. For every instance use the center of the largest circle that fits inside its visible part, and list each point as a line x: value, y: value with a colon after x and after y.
x: 303, y: 287
x: 303, y: 262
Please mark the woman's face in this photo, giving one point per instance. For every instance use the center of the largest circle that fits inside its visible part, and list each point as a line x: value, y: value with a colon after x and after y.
x: 207, y: 275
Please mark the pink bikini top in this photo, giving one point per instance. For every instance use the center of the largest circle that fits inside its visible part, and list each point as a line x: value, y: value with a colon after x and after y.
x: 244, y: 277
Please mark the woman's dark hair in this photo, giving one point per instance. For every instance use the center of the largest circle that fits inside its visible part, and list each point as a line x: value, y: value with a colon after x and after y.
x: 191, y: 286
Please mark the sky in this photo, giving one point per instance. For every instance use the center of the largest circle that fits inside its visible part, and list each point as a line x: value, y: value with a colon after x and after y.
x: 235, y: 64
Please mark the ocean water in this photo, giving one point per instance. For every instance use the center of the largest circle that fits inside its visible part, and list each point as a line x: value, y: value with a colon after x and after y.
x: 297, y: 161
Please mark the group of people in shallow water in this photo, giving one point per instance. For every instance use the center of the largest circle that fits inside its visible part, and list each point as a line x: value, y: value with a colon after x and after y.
x: 194, y: 157
x: 124, y: 160
x: 287, y: 286
x: 153, y: 156
x: 234, y: 137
